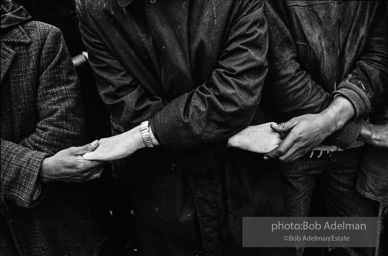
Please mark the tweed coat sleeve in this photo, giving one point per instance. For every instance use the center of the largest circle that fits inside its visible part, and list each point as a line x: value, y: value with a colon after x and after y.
x: 59, y: 116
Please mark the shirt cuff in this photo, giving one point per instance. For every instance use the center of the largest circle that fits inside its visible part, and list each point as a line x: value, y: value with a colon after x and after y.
x: 155, y: 142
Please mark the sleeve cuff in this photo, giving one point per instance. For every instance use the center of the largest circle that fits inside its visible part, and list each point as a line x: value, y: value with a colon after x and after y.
x: 155, y: 131
x: 356, y: 96
x: 36, y: 189
x: 167, y: 140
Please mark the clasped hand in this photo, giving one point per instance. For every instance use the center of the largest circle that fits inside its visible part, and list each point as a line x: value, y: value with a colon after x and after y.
x: 68, y: 165
x: 258, y: 138
x: 79, y: 164
x: 303, y: 134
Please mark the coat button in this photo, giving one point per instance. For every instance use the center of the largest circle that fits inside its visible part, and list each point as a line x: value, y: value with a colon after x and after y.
x: 173, y: 165
x: 152, y: 1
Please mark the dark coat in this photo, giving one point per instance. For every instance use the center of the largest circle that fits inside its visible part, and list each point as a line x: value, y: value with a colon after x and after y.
x: 195, y: 69
x: 40, y: 115
x: 319, y: 49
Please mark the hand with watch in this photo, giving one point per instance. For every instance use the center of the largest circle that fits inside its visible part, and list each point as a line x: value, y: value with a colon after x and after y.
x: 124, y: 144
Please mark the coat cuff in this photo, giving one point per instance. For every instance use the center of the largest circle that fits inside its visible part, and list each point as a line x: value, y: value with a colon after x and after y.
x: 30, y: 186
x: 356, y: 96
x: 156, y: 127
x: 21, y: 186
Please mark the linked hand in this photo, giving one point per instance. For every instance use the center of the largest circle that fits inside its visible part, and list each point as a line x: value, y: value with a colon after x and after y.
x: 117, y: 147
x: 304, y: 133
x: 258, y: 139
x: 68, y: 165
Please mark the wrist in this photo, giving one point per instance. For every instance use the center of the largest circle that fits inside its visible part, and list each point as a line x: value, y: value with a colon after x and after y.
x: 147, y: 135
x: 237, y: 140
x: 366, y: 134
x: 136, y: 138
x: 46, y: 170
x: 233, y: 142
x: 155, y: 142
x: 338, y: 113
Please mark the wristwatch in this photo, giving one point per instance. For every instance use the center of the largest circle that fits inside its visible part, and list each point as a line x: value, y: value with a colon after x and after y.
x: 145, y: 134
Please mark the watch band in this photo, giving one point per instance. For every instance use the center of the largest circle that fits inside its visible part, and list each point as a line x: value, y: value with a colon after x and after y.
x: 145, y: 134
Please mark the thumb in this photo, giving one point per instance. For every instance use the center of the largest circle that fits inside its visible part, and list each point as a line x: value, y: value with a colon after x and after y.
x: 283, y: 127
x: 86, y: 148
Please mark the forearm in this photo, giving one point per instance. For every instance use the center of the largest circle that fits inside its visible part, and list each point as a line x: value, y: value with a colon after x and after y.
x: 117, y: 147
x: 366, y: 134
x: 338, y: 113
x: 376, y: 135
x: 134, y: 136
x: 258, y: 139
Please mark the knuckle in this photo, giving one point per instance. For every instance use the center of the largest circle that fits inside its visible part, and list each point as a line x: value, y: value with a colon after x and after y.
x: 83, y: 165
x: 283, y: 159
x: 72, y: 149
x: 87, y: 147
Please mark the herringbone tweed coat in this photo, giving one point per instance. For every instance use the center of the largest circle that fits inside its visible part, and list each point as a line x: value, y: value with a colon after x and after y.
x: 40, y: 115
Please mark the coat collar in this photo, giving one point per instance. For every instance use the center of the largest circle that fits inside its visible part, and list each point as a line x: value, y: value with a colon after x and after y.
x: 7, y: 55
x: 16, y: 35
x: 124, y: 3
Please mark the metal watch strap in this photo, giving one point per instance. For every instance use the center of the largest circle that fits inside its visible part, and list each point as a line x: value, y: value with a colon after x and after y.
x: 145, y: 134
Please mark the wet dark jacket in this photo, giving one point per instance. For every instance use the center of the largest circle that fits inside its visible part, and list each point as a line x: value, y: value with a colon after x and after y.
x: 195, y: 69
x: 320, y: 49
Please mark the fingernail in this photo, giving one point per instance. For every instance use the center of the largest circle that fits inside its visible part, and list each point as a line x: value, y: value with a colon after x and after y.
x: 94, y: 143
x: 265, y: 157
